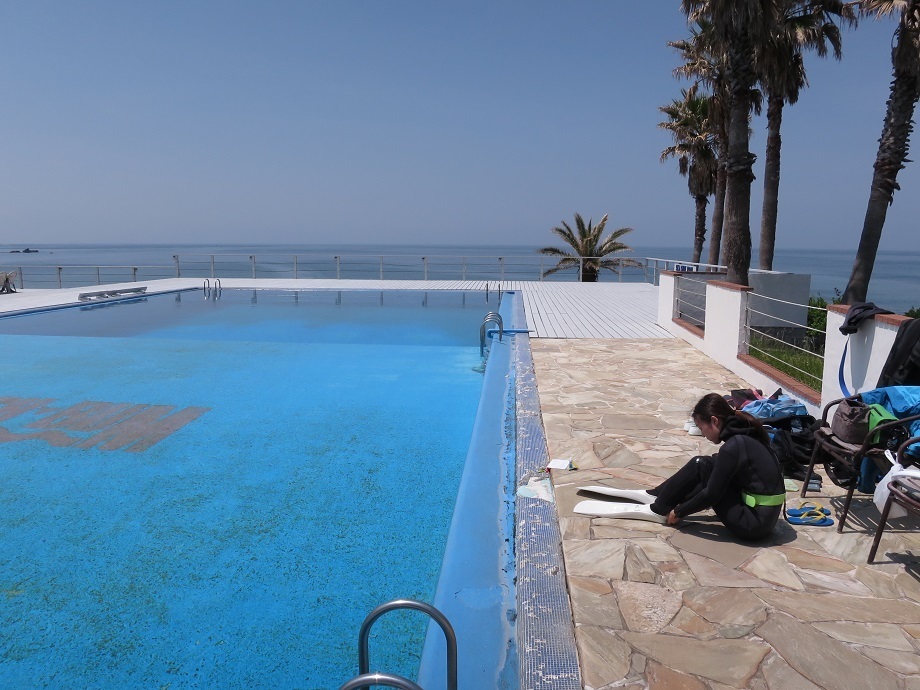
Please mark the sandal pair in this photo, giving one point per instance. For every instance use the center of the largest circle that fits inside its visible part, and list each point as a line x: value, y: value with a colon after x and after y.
x: 807, y: 507
x: 813, y: 518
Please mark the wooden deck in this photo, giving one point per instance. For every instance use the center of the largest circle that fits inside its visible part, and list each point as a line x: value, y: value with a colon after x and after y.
x: 599, y: 310
x: 554, y: 310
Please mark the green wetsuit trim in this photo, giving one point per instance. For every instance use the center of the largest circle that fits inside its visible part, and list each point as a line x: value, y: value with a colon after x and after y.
x: 753, y: 500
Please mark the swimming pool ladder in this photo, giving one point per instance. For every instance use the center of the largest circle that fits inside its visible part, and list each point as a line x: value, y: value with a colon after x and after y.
x: 207, y: 288
x: 491, y: 317
x: 365, y: 679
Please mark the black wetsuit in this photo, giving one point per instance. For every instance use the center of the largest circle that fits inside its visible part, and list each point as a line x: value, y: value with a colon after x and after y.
x: 742, y: 465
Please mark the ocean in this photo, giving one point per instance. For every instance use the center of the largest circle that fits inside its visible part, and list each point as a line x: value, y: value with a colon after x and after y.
x: 894, y: 283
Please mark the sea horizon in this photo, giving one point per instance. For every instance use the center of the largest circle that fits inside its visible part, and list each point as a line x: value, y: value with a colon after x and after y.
x: 893, y: 285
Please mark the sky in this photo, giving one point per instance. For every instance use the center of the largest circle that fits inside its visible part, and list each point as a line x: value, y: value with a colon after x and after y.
x: 399, y: 122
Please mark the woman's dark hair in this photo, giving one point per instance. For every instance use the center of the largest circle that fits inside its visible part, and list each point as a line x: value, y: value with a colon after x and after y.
x: 714, y: 405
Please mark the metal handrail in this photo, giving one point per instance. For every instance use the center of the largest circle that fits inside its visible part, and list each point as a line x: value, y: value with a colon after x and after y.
x: 364, y: 662
x: 386, y: 679
x: 491, y: 317
x: 316, y: 265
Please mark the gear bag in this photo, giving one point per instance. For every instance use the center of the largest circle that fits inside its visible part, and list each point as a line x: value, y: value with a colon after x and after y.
x: 792, y: 440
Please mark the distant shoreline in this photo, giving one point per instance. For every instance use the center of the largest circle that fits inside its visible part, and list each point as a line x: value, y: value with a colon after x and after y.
x: 643, y: 249
x: 894, y: 284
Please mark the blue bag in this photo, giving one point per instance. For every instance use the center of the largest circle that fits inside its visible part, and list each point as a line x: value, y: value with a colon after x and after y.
x: 782, y: 406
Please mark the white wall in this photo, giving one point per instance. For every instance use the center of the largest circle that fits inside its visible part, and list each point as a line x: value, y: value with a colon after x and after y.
x: 666, y: 297
x: 866, y: 355
x: 724, y: 334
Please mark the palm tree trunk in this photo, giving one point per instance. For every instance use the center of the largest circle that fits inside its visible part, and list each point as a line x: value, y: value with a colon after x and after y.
x: 740, y: 161
x: 858, y: 285
x: 588, y: 274
x: 892, y: 156
x: 771, y: 182
x: 699, y: 231
x: 718, y: 212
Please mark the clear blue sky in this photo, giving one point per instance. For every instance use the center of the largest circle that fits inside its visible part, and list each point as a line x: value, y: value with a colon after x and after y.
x: 395, y: 122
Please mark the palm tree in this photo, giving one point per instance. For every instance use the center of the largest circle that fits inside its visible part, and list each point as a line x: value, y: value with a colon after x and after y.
x: 798, y: 26
x: 895, y: 140
x: 688, y: 121
x: 704, y: 64
x: 738, y: 25
x: 589, y: 249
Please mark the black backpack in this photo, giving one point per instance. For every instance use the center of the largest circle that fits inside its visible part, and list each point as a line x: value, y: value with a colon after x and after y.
x: 902, y: 368
x: 792, y: 440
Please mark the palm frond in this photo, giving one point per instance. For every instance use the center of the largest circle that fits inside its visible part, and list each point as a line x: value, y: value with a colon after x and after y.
x: 565, y: 232
x: 614, y: 264
x: 554, y: 251
x: 562, y: 265
x: 589, y: 245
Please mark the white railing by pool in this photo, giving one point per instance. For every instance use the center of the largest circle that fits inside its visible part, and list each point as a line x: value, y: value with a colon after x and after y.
x: 523, y: 267
x: 780, y: 333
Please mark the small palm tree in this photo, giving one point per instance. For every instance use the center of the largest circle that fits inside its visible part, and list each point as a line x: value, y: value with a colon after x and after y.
x: 588, y: 249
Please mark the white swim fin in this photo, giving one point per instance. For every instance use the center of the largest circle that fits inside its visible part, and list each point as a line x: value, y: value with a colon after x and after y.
x: 639, y: 495
x: 630, y: 511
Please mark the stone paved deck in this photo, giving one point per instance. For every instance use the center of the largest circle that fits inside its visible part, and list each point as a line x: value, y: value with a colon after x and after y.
x: 663, y: 608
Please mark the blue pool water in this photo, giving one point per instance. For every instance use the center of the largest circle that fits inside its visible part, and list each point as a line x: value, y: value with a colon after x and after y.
x: 298, y: 466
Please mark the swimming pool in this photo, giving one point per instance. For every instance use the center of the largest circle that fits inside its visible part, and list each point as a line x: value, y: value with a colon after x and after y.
x: 199, y: 501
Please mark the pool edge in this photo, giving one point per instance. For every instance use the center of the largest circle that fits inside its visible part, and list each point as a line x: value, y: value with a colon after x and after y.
x: 476, y: 588
x: 545, y: 627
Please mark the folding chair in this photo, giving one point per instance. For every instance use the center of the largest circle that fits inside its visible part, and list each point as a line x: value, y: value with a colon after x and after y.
x: 903, y: 491
x: 848, y: 456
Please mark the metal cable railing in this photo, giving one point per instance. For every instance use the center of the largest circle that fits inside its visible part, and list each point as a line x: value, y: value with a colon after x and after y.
x: 810, y: 379
x: 690, y: 299
x: 781, y: 334
x: 530, y: 267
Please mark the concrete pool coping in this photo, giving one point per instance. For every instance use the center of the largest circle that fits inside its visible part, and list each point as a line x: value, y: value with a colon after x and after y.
x: 476, y: 586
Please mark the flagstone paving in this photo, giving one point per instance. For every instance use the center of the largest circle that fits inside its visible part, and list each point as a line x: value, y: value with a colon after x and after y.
x: 691, y: 607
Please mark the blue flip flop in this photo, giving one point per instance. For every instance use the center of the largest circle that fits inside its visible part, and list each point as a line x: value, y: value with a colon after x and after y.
x: 807, y: 507
x: 813, y: 518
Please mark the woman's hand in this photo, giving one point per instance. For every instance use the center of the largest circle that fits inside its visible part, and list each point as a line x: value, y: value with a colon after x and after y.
x: 673, y: 519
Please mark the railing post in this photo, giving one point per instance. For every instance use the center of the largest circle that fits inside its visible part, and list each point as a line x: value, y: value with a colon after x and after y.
x: 295, y: 268
x: 60, y: 279
x: 463, y: 273
x: 253, y: 260
x: 134, y: 273
x: 541, y: 269
x: 22, y: 279
x: 212, y: 266
x: 425, y: 265
x: 501, y: 268
x: 337, y: 269
x: 381, y: 268
x: 176, y: 259
x: 98, y: 276
x: 581, y: 267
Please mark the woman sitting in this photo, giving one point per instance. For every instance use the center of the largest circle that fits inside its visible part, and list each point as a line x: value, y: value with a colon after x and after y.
x: 742, y: 483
